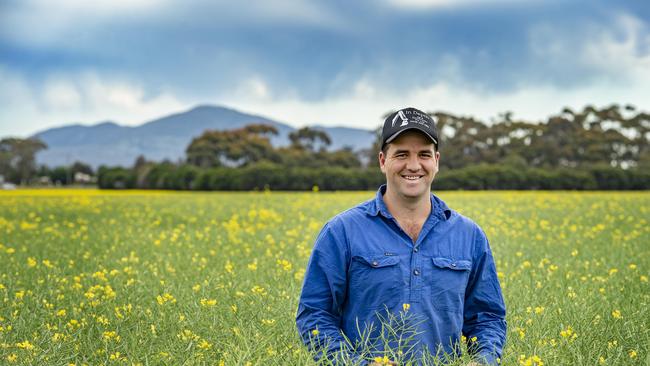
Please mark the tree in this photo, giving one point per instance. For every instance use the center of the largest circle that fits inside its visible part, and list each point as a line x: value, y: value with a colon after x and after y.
x: 309, y: 139
x: 80, y: 167
x: 370, y: 154
x: 17, y: 158
x: 237, y: 147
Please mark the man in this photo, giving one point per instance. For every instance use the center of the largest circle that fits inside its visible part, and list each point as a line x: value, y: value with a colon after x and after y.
x: 403, y: 252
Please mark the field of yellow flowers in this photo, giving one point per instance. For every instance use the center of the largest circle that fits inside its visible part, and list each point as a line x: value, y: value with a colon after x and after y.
x: 167, y: 278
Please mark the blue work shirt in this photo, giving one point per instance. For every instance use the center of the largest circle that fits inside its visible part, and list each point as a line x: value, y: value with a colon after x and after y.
x: 363, y: 264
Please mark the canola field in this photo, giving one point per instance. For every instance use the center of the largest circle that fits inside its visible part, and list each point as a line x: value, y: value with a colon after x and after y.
x: 93, y: 277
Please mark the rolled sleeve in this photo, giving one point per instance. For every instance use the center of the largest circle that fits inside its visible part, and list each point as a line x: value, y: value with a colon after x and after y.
x: 484, y: 314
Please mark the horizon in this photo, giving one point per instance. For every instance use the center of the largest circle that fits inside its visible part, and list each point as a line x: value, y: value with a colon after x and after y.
x: 97, y: 123
x: 331, y: 64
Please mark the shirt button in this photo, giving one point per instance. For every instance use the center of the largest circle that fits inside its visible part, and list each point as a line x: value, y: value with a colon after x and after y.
x: 375, y: 264
x: 415, y: 250
x: 416, y: 272
x: 453, y: 264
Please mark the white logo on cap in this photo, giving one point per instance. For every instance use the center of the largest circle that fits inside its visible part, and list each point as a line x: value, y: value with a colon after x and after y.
x: 401, y: 115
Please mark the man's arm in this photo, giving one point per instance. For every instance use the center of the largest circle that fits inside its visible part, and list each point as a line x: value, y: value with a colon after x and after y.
x: 484, y: 316
x: 323, y: 294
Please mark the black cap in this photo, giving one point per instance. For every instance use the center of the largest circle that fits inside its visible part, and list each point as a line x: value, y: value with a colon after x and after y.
x: 408, y: 119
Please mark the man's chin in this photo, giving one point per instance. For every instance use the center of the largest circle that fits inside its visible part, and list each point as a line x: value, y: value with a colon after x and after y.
x: 414, y: 193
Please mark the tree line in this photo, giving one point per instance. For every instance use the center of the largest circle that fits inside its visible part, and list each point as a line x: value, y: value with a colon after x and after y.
x: 18, y: 166
x: 594, y: 148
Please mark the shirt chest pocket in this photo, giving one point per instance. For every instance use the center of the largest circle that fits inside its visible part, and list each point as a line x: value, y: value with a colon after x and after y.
x: 374, y: 281
x: 448, y: 282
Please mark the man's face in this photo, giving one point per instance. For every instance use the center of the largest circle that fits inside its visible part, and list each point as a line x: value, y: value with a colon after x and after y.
x: 410, y: 164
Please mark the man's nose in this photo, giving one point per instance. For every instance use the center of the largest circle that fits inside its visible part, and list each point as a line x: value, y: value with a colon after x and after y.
x: 413, y: 163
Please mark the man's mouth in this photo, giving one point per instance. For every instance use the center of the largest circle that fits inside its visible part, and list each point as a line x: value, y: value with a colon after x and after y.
x: 411, y: 177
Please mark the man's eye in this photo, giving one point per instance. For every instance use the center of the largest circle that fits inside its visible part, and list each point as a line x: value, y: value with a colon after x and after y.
x: 426, y: 156
x: 400, y: 156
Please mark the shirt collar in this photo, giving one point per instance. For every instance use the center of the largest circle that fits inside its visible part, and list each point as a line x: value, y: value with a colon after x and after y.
x: 377, y: 206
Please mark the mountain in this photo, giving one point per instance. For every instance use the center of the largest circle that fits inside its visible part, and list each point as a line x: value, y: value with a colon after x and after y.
x: 109, y: 143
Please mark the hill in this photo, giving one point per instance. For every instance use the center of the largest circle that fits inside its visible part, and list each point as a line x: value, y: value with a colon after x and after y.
x: 109, y: 143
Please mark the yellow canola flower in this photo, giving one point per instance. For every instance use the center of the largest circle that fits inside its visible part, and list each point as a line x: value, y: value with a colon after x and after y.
x: 406, y: 307
x: 205, y: 344
x: 229, y: 267
x: 382, y: 360
x: 284, y: 264
x: 102, y: 320
x: 25, y: 345
x: 568, y: 333
x: 47, y: 263
x: 111, y: 335
x: 533, y: 360
x: 24, y: 225
x: 208, y: 302
x: 258, y: 290
x: 617, y: 314
x: 165, y: 298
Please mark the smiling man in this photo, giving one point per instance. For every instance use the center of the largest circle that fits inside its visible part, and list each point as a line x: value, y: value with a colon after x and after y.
x: 405, y: 251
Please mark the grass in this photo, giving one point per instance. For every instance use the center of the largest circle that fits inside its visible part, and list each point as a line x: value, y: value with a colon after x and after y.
x: 140, y: 277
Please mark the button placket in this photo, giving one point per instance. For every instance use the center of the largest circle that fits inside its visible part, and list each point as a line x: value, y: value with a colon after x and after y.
x: 415, y: 274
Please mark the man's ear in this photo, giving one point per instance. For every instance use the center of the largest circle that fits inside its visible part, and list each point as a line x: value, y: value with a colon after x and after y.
x: 437, y: 159
x: 382, y: 161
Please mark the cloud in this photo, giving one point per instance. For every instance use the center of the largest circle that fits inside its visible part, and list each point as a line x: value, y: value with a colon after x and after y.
x: 436, y: 4
x: 593, y: 64
x: 617, y: 51
x: 623, y: 52
x: 39, y: 23
x: 86, y: 97
x: 60, y: 94
x: 76, y: 23
x: 307, y: 62
x: 367, y: 102
x: 19, y: 112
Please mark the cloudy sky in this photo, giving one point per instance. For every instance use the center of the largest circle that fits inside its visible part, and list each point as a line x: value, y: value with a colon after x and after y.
x: 316, y: 62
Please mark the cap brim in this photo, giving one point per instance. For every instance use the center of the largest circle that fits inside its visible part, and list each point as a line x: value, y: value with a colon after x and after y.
x: 394, y: 136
